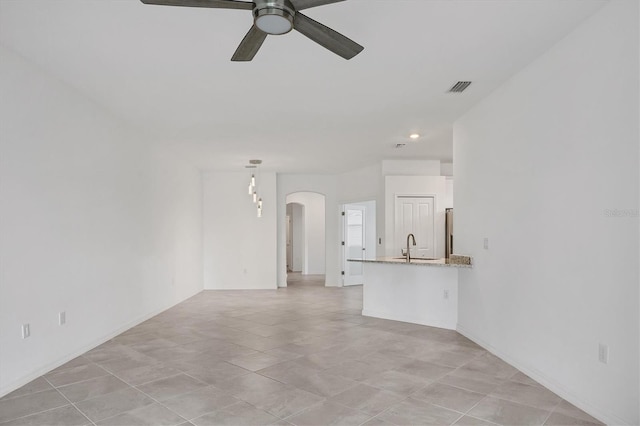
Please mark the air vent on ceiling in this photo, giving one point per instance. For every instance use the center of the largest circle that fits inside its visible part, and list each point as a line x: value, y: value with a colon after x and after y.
x: 400, y: 145
x: 460, y: 87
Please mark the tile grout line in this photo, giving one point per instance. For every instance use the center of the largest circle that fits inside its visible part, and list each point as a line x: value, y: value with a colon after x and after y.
x: 4, y: 398
x: 53, y: 388
x: 474, y: 406
x: 469, y: 390
x: 301, y: 411
x: 207, y: 385
x: 108, y: 373
x: 552, y: 411
x: 37, y: 412
x: 74, y: 405
x: 387, y: 409
x: 457, y: 420
x: 484, y: 420
x: 148, y: 396
x: 130, y: 386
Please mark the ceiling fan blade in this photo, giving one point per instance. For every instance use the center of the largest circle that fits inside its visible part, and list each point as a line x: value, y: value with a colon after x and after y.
x: 250, y: 45
x: 326, y: 37
x: 215, y: 4
x: 307, y: 4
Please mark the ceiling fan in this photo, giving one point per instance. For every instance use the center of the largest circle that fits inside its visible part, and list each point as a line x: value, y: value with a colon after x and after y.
x: 276, y: 17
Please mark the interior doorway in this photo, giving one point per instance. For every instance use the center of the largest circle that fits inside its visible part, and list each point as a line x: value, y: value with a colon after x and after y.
x: 305, y: 234
x: 358, y: 239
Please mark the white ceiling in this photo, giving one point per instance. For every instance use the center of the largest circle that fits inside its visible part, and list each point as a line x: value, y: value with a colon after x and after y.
x: 297, y: 106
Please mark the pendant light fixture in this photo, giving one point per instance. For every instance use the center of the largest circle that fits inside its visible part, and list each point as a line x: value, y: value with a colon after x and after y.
x: 253, y: 185
x: 252, y: 179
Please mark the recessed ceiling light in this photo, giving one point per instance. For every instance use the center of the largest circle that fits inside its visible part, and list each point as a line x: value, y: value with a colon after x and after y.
x: 414, y: 136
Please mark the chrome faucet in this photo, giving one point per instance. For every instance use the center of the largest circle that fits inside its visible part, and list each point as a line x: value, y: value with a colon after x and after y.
x: 410, y: 236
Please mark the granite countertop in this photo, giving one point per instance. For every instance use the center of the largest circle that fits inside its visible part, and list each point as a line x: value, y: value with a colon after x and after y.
x: 455, y: 261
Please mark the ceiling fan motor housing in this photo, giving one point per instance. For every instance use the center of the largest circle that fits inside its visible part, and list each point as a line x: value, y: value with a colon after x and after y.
x: 274, y: 16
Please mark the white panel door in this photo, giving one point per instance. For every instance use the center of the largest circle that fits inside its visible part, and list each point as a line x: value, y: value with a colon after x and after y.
x: 415, y: 215
x: 354, y: 248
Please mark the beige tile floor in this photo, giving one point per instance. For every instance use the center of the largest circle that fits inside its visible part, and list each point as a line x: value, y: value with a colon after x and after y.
x: 302, y: 355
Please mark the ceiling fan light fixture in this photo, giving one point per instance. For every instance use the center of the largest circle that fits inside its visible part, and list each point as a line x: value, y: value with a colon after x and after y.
x: 276, y: 17
x: 274, y: 21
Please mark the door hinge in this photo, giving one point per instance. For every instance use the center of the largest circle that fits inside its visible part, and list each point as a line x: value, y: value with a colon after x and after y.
x: 343, y: 243
x: 342, y: 272
x: 342, y: 213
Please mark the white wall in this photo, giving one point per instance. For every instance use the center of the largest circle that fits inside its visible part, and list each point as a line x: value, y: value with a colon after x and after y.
x: 537, y: 165
x: 360, y: 184
x: 411, y: 168
x: 94, y: 221
x: 239, y: 247
x: 297, y: 230
x: 446, y: 169
x: 365, y: 184
x: 321, y: 184
x: 313, y: 242
x: 448, y: 195
x: 414, y: 185
x: 298, y: 237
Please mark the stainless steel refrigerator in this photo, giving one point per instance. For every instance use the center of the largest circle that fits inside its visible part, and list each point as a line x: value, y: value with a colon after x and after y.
x: 448, y: 223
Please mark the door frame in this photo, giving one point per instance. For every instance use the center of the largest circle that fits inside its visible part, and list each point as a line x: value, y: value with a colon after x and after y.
x: 289, y: 243
x: 298, y: 239
x: 345, y: 208
x: 433, y: 216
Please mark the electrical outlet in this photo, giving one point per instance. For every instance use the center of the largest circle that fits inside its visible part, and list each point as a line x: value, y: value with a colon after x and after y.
x: 446, y: 294
x: 603, y: 353
x: 62, y: 318
x: 26, y: 331
x: 486, y: 243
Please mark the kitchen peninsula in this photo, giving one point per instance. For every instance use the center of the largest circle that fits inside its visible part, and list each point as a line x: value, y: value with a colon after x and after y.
x: 423, y: 291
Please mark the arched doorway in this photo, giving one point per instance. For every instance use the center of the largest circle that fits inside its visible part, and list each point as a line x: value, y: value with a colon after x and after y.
x: 306, y: 240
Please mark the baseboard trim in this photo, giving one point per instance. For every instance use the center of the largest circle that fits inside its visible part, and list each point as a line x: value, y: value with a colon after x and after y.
x: 17, y: 384
x: 410, y: 319
x: 546, y: 381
